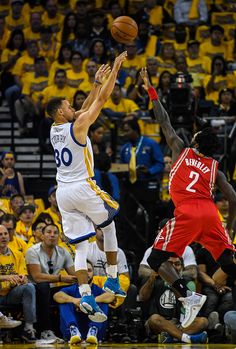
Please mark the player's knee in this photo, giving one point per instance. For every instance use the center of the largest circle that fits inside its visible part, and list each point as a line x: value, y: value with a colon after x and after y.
x: 227, y: 264
x: 157, y: 257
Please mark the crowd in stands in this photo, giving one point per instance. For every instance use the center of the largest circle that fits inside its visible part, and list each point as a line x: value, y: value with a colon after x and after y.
x: 53, y: 48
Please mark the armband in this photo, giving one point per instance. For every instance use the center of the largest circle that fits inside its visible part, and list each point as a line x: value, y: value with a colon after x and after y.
x: 97, y: 82
x: 152, y: 93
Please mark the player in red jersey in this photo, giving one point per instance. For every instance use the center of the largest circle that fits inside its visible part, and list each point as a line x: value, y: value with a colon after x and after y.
x: 192, y: 178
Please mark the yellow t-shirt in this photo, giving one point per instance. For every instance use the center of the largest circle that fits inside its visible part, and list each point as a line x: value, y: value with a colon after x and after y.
x: 49, y: 51
x: 199, y: 65
x: 75, y: 79
x: 53, y: 91
x: 18, y: 244
x: 11, y: 263
x: 4, y: 39
x: 30, y: 35
x: 126, y: 105
x: 136, y: 63
x: 86, y: 86
x: 222, y: 82
x: 54, y: 67
x: 25, y: 64
x: 23, y: 232
x: 12, y: 23
x: 156, y: 16
x: 55, y: 23
x: 6, y: 55
x: 33, y: 86
x: 207, y: 49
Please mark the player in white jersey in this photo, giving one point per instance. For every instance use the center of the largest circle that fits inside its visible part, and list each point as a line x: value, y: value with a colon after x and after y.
x: 81, y: 202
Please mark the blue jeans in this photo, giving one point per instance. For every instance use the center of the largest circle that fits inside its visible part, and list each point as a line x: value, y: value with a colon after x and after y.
x: 69, y: 316
x: 25, y: 295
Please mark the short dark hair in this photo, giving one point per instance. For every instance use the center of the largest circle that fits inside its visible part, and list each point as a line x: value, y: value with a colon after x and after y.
x: 207, y: 141
x: 36, y: 223
x: 53, y: 105
x: 17, y: 196
x: 7, y: 217
x: 218, y: 28
x: 133, y: 124
x: 48, y: 225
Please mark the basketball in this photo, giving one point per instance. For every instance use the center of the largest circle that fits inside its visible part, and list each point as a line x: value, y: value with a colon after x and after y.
x: 124, y: 29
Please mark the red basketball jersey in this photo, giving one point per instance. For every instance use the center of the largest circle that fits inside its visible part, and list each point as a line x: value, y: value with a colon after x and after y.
x: 192, y: 176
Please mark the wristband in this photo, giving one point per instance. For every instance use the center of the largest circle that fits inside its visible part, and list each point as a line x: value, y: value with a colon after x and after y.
x: 152, y: 93
x: 97, y: 82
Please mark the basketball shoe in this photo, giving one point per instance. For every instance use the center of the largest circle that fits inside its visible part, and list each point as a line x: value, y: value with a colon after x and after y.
x: 90, y: 307
x: 112, y: 285
x: 192, y: 304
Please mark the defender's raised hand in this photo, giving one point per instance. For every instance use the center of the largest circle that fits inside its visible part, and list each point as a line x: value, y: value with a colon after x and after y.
x: 145, y: 77
x: 102, y: 73
x: 119, y: 60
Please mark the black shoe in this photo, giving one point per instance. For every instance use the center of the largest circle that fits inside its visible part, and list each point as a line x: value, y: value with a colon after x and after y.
x: 29, y: 336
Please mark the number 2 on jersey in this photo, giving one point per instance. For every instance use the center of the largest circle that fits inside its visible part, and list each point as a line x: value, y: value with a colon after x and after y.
x: 194, y: 176
x: 65, y: 157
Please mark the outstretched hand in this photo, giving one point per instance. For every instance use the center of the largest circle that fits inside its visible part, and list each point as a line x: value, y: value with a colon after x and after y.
x: 145, y: 77
x: 102, y: 73
x: 119, y: 60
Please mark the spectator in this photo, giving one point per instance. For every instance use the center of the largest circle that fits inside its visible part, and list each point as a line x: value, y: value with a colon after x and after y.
x: 98, y: 28
x: 133, y: 62
x: 76, y: 75
x: 15, y: 19
x: 15, y: 47
x: 98, y: 52
x: 16, y: 289
x: 197, y: 64
x: 15, y: 243
x: 164, y: 311
x: 146, y: 165
x: 16, y: 202
x: 166, y: 58
x: 190, y: 13
x: 136, y: 93
x: 218, y: 80
x: 150, y: 12
x: 53, y: 209
x: 63, y: 61
x: 216, y: 45
x: 67, y: 34
x: 48, y: 47
x: 33, y: 31
x: 27, y: 105
x: 37, y: 235
x: 78, y: 100
x: 51, y: 16
x: 24, y: 225
x: 82, y: 41
x: 11, y: 181
x: 4, y: 33
x: 91, y: 69
x: 226, y: 106
x: 45, y: 261
x: 163, y: 88
x: 100, y: 148
x: 75, y: 325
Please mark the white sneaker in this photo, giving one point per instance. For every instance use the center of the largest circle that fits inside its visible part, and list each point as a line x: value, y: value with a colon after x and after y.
x: 8, y: 322
x: 50, y: 335
x: 192, y: 304
x: 92, y: 335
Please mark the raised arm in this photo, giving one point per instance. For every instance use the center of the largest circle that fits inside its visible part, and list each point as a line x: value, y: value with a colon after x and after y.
x: 82, y: 123
x: 228, y: 191
x: 100, y: 76
x: 174, y: 142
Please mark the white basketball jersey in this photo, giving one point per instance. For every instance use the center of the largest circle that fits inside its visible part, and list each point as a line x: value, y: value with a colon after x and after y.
x: 74, y: 161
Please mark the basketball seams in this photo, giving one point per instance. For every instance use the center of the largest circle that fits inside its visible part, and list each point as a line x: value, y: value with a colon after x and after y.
x: 134, y: 25
x: 121, y: 31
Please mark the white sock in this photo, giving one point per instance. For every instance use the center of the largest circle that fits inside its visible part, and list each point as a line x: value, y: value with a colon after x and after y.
x: 84, y: 290
x: 185, y: 338
x: 28, y: 326
x: 112, y: 271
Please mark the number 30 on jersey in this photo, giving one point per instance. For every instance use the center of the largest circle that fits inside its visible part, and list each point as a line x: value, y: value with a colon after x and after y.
x: 65, y: 157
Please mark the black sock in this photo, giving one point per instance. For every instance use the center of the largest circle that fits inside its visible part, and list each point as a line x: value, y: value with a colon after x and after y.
x: 181, y: 287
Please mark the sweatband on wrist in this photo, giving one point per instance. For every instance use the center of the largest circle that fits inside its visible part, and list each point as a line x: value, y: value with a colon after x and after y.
x: 97, y: 82
x: 152, y: 93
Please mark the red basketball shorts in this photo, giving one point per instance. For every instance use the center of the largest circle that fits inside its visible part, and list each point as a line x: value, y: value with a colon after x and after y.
x: 194, y: 221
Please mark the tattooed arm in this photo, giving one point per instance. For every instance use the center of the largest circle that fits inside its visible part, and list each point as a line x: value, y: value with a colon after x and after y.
x: 174, y: 142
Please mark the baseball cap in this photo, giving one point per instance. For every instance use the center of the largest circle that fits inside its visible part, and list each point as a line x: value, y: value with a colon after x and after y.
x: 26, y: 207
x: 52, y: 189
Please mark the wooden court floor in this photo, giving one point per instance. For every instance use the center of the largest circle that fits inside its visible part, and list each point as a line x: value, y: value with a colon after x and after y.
x: 119, y: 346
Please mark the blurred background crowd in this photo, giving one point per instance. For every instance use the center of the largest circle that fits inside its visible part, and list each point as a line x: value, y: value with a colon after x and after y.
x: 53, y: 48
